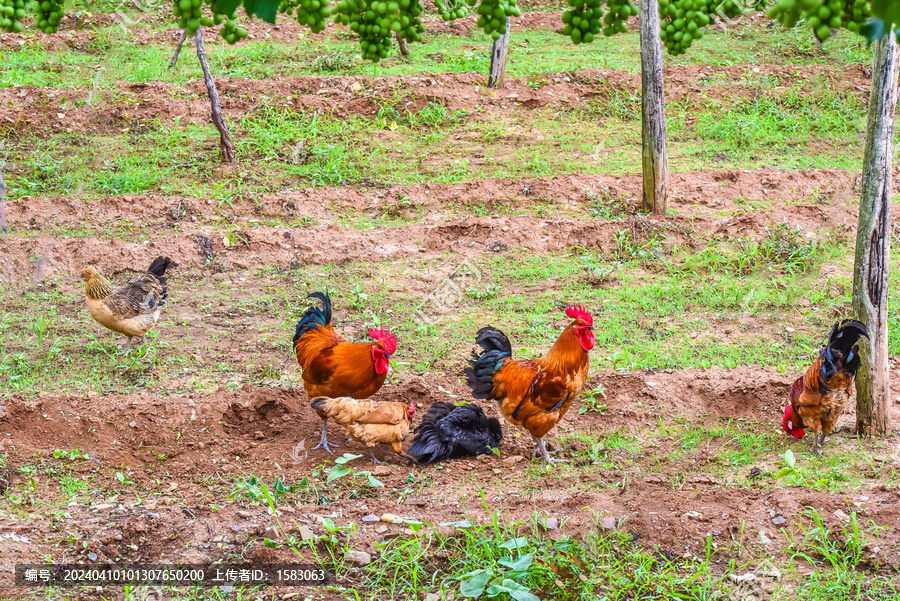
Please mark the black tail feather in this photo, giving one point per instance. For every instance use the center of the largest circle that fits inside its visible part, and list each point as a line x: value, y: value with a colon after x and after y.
x: 842, y: 352
x: 158, y: 268
x: 314, y: 317
x: 450, y: 432
x: 480, y: 373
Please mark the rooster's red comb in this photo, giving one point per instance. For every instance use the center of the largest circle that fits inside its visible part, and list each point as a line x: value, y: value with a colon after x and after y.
x: 579, y: 312
x: 386, y: 337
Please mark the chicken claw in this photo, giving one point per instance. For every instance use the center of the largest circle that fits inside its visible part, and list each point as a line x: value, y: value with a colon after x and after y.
x: 127, y: 348
x: 323, y: 443
x: 374, y: 459
x: 817, y: 443
x: 540, y: 449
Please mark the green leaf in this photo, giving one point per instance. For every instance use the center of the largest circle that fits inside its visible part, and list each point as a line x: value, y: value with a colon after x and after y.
x: 414, y: 526
x: 338, y: 471
x: 266, y: 10
x: 789, y: 459
x: 346, y: 457
x: 474, y: 586
x: 228, y: 6
x: 373, y: 481
x: 873, y: 31
x: 519, y: 592
x: 279, y: 486
x: 270, y: 543
x: 462, y: 524
x: 523, y: 562
x: 515, y: 543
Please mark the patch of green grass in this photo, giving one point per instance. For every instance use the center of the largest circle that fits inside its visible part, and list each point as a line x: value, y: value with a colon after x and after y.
x: 498, y: 559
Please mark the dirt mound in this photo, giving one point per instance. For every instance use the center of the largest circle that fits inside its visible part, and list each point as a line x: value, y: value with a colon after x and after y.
x: 29, y: 108
x: 707, y: 194
x: 185, y: 447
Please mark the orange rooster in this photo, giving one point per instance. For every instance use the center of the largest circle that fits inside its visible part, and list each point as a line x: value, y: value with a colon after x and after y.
x: 534, y: 394
x: 333, y: 367
x: 369, y: 422
x: 819, y: 396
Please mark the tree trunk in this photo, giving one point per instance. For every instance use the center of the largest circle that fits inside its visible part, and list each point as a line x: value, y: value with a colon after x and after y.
x: 404, y: 49
x: 655, y: 157
x: 872, y: 266
x: 219, y: 121
x: 498, y: 59
x: 178, y: 48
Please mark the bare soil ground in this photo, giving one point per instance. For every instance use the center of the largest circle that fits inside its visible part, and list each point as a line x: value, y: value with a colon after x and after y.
x: 704, y: 203
x: 25, y: 109
x: 206, y: 439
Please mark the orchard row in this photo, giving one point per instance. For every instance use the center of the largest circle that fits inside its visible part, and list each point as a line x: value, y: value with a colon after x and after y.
x: 377, y: 21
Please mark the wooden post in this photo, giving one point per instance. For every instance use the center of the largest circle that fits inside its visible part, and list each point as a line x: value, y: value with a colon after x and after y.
x: 404, y: 49
x: 872, y: 266
x: 498, y: 58
x: 178, y: 48
x: 219, y: 121
x: 655, y: 157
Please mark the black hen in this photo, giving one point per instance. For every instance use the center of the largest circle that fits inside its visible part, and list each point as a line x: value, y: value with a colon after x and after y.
x: 451, y: 432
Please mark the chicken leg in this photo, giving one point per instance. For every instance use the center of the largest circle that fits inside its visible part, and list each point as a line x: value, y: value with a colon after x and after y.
x: 323, y: 442
x: 374, y: 459
x: 127, y: 348
x: 818, y: 441
x: 540, y: 449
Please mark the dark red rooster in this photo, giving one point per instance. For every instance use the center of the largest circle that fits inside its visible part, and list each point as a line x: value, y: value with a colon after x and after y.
x: 819, y: 396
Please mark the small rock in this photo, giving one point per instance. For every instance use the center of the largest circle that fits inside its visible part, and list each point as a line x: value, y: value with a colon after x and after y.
x: 92, y: 556
x: 608, y: 523
x: 359, y: 558
x: 840, y: 515
x: 381, y: 529
x: 778, y: 520
x: 133, y: 424
x: 762, y: 538
x: 513, y: 459
x: 244, y: 514
x: 431, y: 597
x: 382, y: 470
x: 370, y: 518
x: 769, y: 571
x: 306, y: 533
x: 416, y: 502
x: 391, y: 518
x: 550, y: 524
x: 748, y: 577
x: 235, y: 528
